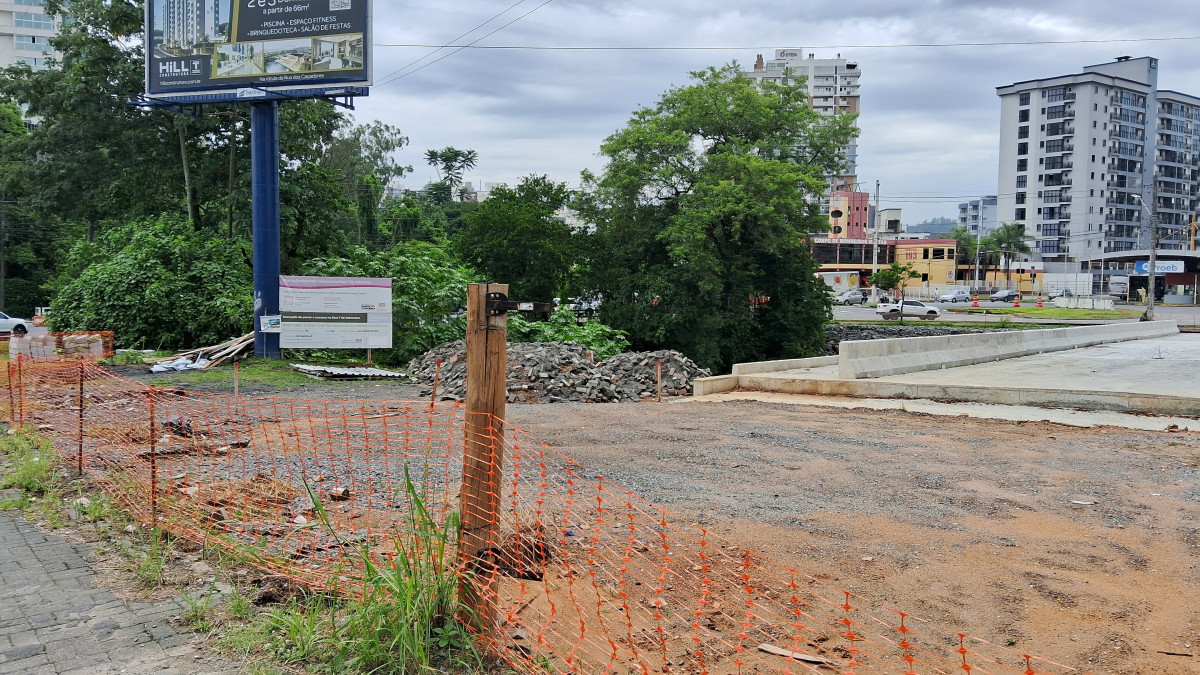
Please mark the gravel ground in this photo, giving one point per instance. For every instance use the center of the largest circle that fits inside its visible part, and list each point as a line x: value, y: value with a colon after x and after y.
x: 1081, y: 545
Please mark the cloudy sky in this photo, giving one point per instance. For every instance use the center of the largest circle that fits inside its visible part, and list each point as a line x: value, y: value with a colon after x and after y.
x: 930, y: 116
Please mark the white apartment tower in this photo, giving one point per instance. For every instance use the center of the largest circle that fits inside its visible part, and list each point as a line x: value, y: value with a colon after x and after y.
x: 25, y: 32
x: 1079, y: 153
x: 978, y: 215
x: 832, y: 90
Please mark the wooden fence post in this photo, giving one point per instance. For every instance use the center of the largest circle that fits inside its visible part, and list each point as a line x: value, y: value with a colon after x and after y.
x: 483, y: 453
x: 153, y: 461
x: 79, y: 400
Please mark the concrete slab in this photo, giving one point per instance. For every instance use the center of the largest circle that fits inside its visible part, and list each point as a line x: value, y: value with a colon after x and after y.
x: 1158, y: 376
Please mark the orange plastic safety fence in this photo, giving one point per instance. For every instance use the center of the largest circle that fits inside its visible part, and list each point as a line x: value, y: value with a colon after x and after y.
x: 584, y: 575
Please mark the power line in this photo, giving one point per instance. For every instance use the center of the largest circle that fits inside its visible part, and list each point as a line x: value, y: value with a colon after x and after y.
x: 437, y: 49
x: 922, y: 45
x: 458, y: 49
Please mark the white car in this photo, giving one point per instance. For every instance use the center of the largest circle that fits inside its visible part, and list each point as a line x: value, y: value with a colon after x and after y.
x: 890, y: 310
x: 13, y: 325
x: 955, y: 296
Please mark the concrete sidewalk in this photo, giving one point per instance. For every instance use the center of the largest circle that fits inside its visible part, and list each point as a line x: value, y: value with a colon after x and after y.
x: 55, y: 620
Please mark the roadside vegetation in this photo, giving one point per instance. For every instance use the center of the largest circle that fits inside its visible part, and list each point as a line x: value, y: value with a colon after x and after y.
x: 137, y: 220
x: 404, y: 623
x: 1032, y: 312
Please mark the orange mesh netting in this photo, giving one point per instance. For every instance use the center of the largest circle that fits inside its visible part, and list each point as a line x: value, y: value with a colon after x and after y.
x: 582, y: 575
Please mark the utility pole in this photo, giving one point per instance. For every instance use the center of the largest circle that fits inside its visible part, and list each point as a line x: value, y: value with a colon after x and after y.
x: 875, y: 248
x: 1152, y: 264
x: 1153, y: 271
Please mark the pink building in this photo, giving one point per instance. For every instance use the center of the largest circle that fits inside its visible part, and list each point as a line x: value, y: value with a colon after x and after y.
x: 848, y: 214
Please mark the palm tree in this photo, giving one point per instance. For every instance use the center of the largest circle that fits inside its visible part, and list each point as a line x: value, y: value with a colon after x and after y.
x: 1009, y: 240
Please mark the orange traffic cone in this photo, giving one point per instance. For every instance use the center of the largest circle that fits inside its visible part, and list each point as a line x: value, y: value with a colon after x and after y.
x: 1039, y: 303
x: 975, y: 301
x: 1017, y: 300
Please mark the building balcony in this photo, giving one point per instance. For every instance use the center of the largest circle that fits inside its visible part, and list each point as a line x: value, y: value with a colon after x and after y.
x: 1061, y: 114
x: 1127, y: 117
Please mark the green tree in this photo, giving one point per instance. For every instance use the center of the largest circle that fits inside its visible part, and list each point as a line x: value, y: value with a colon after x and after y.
x: 1009, y: 241
x: 893, y: 277
x: 701, y: 220
x: 514, y: 237
x: 156, y: 284
x: 451, y: 163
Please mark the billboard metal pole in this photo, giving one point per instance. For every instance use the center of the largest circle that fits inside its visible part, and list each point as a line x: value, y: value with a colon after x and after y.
x: 264, y: 162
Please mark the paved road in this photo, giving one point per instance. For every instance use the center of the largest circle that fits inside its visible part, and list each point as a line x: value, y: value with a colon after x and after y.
x: 55, y: 620
x: 1186, y: 316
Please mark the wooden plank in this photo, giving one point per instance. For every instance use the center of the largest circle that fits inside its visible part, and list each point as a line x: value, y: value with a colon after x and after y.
x: 798, y: 656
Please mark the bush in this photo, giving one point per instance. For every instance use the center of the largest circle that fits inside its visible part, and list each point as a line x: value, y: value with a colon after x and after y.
x: 604, y: 341
x: 156, y: 283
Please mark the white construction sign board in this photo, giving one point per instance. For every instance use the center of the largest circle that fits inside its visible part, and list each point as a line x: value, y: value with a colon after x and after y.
x: 335, y: 312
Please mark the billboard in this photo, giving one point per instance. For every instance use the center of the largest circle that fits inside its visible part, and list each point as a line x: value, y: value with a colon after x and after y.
x: 211, y: 46
x: 335, y: 312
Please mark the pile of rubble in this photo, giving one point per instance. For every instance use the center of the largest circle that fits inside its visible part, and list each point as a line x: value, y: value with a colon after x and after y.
x: 563, y: 371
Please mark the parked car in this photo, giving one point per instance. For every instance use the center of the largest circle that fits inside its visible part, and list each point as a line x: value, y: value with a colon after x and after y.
x: 984, y: 290
x: 1004, y: 296
x: 955, y: 296
x: 13, y: 325
x: 890, y: 310
x: 1060, y: 293
x: 852, y: 296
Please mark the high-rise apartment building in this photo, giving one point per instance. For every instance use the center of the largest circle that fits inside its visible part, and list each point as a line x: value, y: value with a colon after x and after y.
x: 978, y: 215
x: 186, y: 24
x: 832, y: 90
x: 25, y: 32
x: 1084, y: 159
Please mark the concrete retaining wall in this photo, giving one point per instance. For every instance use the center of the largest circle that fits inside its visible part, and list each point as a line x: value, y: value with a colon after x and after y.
x: 880, y: 358
x: 788, y: 364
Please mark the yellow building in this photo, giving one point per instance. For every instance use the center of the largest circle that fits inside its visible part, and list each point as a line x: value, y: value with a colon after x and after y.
x: 934, y: 259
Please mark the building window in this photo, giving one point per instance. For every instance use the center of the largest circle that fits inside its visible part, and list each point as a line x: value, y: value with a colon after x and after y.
x: 32, y: 20
x: 29, y: 3
x: 32, y: 43
x: 1022, y: 165
x: 1020, y: 214
x: 1020, y: 197
x: 1023, y: 116
x: 1022, y: 181
x: 1025, y: 98
x: 1023, y: 132
x: 1022, y: 149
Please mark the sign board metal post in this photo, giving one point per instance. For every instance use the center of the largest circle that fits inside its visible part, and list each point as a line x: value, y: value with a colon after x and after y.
x: 264, y: 162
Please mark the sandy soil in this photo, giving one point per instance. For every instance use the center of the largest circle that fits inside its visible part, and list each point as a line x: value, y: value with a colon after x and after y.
x: 1081, y: 545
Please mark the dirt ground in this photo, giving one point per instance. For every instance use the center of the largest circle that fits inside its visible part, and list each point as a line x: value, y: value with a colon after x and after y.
x: 1080, y: 545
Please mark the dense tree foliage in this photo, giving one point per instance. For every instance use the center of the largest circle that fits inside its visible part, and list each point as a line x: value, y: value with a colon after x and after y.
x: 157, y: 284
x: 137, y: 219
x: 701, y: 220
x: 514, y: 236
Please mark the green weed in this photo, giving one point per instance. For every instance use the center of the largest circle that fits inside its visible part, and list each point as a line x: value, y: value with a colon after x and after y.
x: 408, y: 613
x: 239, y: 605
x: 32, y: 461
x: 198, y: 605
x: 153, y: 562
x: 303, y: 632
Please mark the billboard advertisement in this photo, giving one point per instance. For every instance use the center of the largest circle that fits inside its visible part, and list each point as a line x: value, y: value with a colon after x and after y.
x: 208, y: 46
x: 335, y: 312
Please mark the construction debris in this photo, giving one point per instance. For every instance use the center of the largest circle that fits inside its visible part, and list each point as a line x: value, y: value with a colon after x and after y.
x: 331, y: 373
x: 563, y: 371
x: 204, y: 357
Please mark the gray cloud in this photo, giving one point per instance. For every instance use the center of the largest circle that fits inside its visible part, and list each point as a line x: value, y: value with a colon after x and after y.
x: 930, y: 115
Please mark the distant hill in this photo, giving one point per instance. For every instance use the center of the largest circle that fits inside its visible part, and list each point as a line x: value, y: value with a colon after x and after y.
x: 934, y: 226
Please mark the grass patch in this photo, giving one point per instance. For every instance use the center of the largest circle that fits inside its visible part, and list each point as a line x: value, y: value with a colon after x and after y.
x: 251, y: 373
x: 405, y: 624
x: 1052, y: 312
x: 32, y: 463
